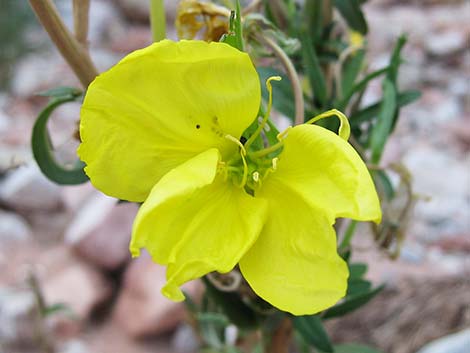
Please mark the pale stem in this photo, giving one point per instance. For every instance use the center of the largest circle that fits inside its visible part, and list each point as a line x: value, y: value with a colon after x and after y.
x: 291, y: 73
x: 81, y: 9
x: 74, y: 53
x: 281, y: 338
x: 158, y: 20
x: 252, y: 7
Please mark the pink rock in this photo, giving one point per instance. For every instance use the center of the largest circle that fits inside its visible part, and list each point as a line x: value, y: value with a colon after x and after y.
x: 70, y: 281
x: 141, y: 309
x: 101, y: 231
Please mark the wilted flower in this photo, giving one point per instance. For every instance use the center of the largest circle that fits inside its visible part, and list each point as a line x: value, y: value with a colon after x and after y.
x: 163, y: 127
x: 198, y: 17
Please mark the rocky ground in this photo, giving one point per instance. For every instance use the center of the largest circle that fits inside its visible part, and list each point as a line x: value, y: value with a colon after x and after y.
x: 70, y: 243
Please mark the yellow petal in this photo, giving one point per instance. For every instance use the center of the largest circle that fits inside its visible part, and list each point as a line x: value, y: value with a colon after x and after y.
x: 161, y: 106
x: 318, y: 164
x: 196, y: 222
x: 294, y: 264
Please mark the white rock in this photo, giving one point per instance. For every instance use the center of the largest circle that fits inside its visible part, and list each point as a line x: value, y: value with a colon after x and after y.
x: 445, y: 43
x: 35, y: 73
x: 101, y: 231
x: 185, y: 340
x: 18, y: 316
x: 445, y: 179
x: 71, y: 281
x: 13, y: 228
x: 141, y: 309
x: 456, y: 343
x: 26, y: 188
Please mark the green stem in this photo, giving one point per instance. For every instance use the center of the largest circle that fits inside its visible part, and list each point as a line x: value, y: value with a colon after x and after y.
x: 157, y: 20
x: 348, y: 236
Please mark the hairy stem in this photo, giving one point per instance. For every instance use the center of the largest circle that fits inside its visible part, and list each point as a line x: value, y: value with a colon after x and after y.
x: 281, y: 338
x: 291, y: 73
x: 81, y: 9
x: 75, y: 54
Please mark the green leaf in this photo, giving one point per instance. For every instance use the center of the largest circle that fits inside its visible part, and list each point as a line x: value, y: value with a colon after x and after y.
x: 235, y: 36
x: 352, y: 13
x: 213, y: 318
x: 283, y: 98
x: 189, y: 303
x: 351, y: 303
x: 359, y: 87
x: 385, y: 183
x: 356, y: 271
x: 312, y: 330
x: 354, y: 348
x: 61, y: 92
x: 395, y: 60
x: 313, y: 70
x: 351, y: 69
x: 313, y: 19
x: 383, y: 126
x: 232, y: 306
x: 43, y: 149
x: 370, y: 112
x: 358, y: 286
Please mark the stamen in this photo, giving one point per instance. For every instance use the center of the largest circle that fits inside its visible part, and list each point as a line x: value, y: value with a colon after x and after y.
x: 267, y: 150
x: 344, y: 128
x: 242, y: 154
x: 274, y: 161
x: 268, y: 111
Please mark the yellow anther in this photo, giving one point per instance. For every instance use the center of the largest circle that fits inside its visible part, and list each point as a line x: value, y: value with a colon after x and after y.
x: 274, y: 162
x: 255, y: 176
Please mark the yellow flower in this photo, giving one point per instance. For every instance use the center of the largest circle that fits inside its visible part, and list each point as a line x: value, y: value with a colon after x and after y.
x: 163, y: 127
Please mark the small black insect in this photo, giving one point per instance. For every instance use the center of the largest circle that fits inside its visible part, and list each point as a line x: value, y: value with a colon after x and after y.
x: 243, y: 140
x: 198, y: 126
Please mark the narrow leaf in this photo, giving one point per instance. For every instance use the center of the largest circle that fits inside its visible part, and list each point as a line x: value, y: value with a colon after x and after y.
x: 312, y: 330
x: 351, y: 303
x: 370, y: 112
x: 313, y: 70
x: 352, y: 13
x: 360, y: 86
x: 354, y: 348
x: 383, y: 127
x: 235, y: 36
x: 357, y: 270
x: 385, y: 184
x: 232, y: 306
x: 43, y: 149
x: 61, y: 92
x: 358, y: 286
x: 351, y: 69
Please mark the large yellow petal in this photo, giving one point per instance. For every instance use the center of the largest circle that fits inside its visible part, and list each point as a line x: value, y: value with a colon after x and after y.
x: 161, y: 106
x: 196, y: 223
x: 294, y: 264
x: 330, y: 174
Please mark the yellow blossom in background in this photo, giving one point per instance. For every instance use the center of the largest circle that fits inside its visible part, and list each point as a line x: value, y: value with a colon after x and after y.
x: 356, y: 39
x: 195, y: 16
x: 163, y: 127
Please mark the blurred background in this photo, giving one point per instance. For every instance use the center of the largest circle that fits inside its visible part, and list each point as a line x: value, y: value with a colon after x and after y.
x: 68, y: 246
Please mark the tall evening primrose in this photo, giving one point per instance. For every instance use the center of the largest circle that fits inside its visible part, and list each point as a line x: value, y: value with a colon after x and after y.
x: 163, y: 127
